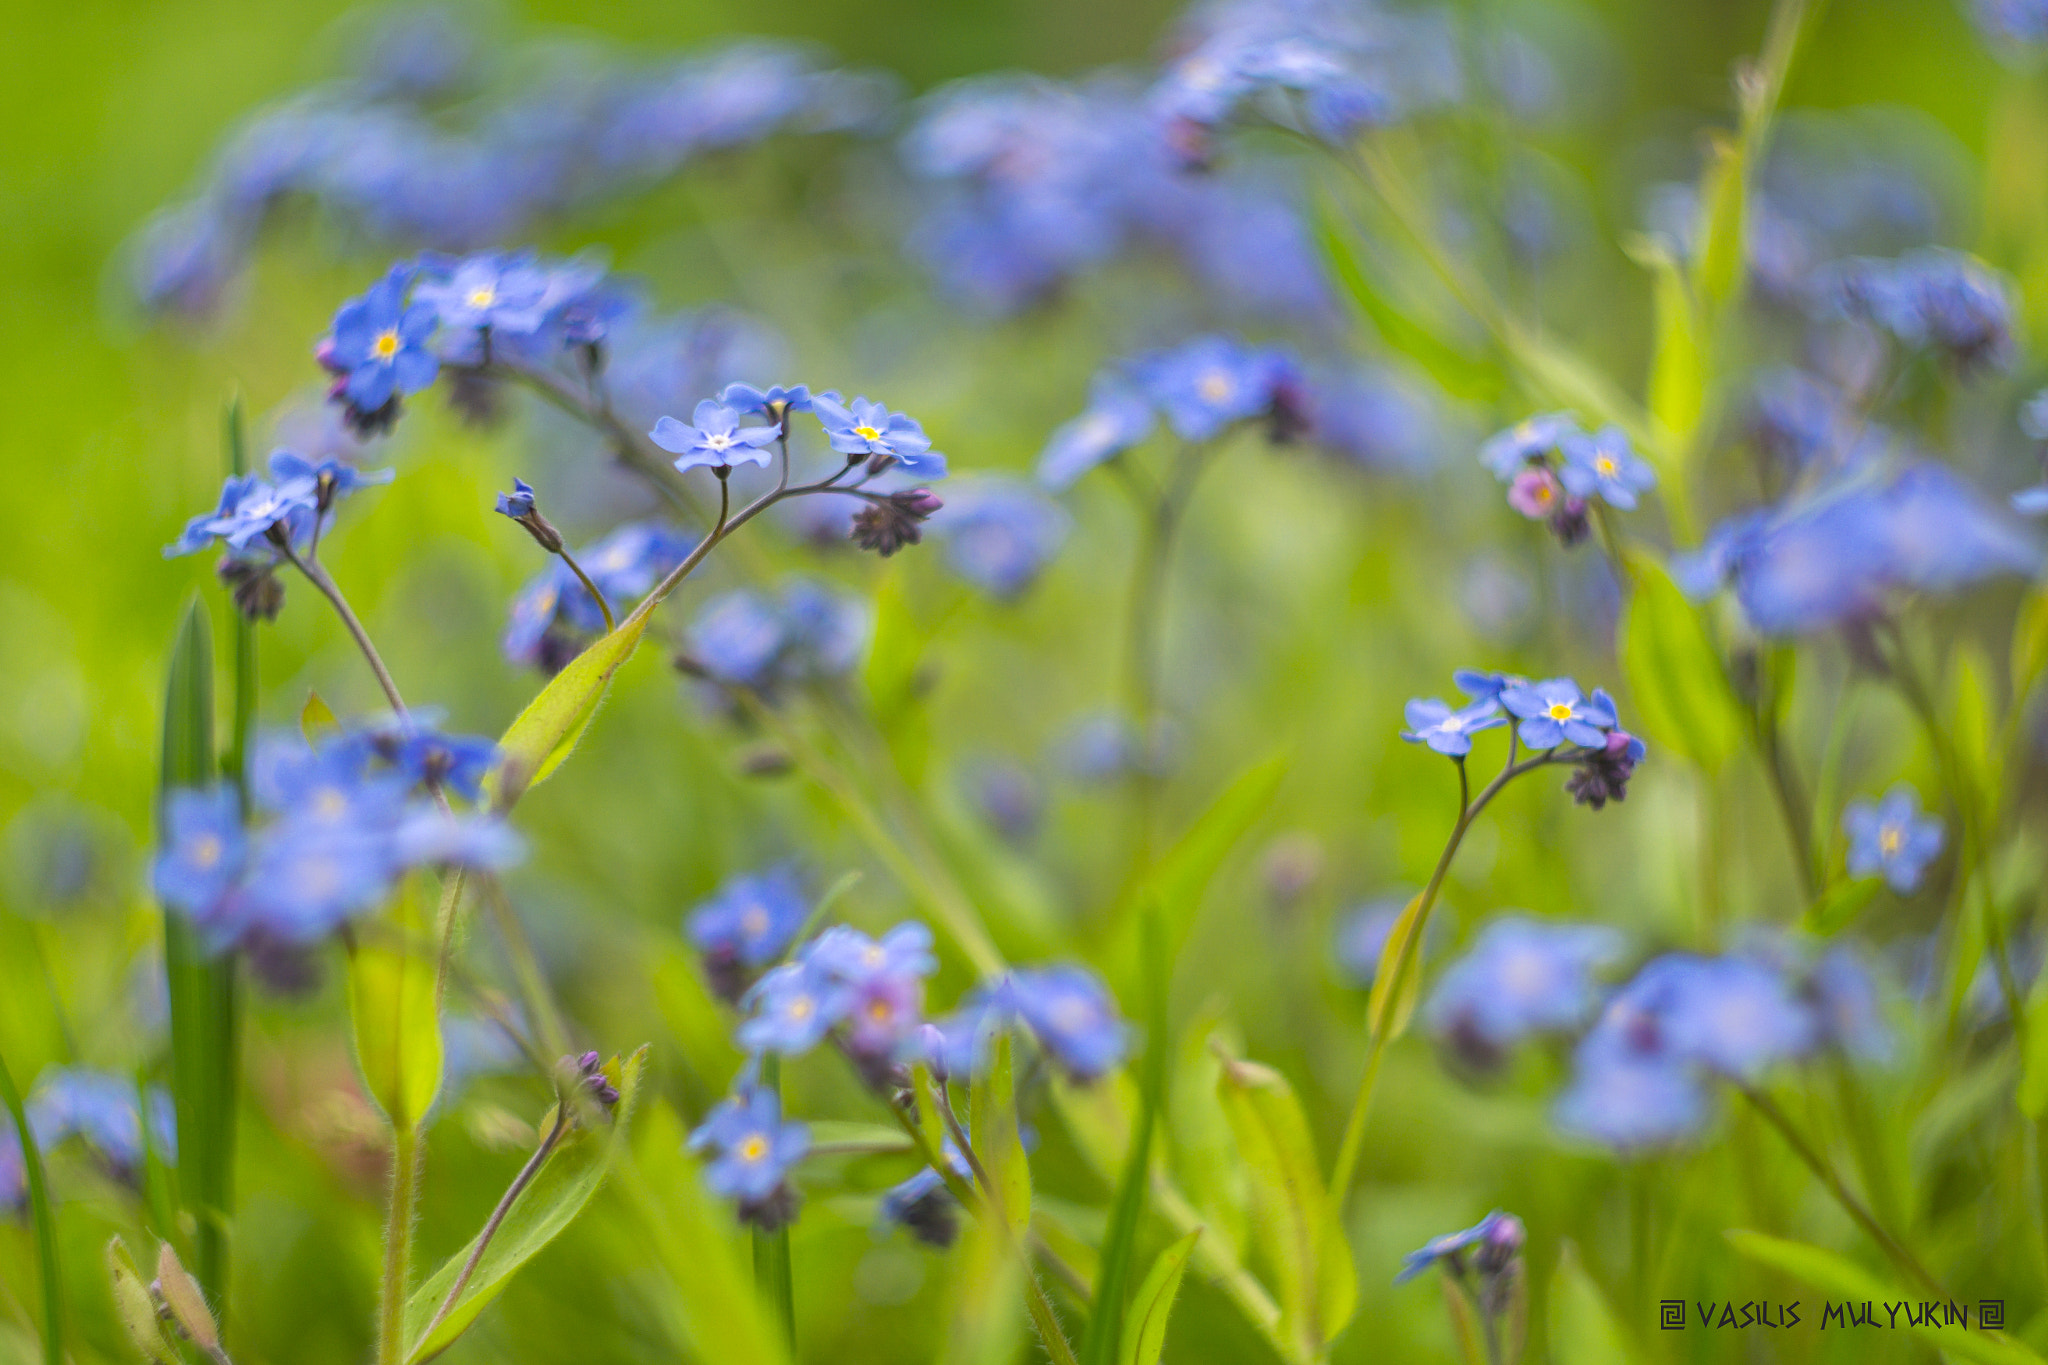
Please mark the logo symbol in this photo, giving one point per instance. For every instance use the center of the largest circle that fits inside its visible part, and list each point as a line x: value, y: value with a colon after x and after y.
x: 1671, y: 1314
x: 1991, y: 1315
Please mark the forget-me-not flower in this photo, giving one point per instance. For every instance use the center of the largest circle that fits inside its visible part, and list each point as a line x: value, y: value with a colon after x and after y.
x: 1117, y: 418
x: 752, y: 1149
x: 716, y: 439
x: 1893, y: 838
x: 379, y: 344
x: 1604, y: 465
x: 1554, y: 712
x: 865, y: 428
x: 1449, y: 732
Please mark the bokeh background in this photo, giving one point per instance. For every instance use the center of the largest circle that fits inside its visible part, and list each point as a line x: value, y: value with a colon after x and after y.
x: 1309, y: 600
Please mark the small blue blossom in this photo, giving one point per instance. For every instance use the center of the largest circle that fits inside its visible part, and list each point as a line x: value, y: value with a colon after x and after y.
x: 1893, y: 838
x: 379, y: 344
x: 519, y: 503
x: 752, y: 1150
x: 1729, y: 1015
x: 1497, y: 1236
x: 864, y: 428
x: 1631, y: 1105
x: 203, y: 849
x: 247, y: 511
x: 1210, y: 383
x: 1554, y: 712
x: 1522, y: 977
x: 499, y: 293
x: 105, y: 1112
x: 1446, y: 731
x: 1530, y: 441
x: 792, y: 1008
x: 1117, y: 418
x: 772, y: 401
x: 849, y: 956
x: 716, y: 441
x: 1603, y: 465
x: 1845, y: 996
x: 1073, y: 1017
x: 750, y: 919
x: 323, y: 481
x: 1481, y: 685
x: 1000, y: 534
x: 428, y: 758
x: 924, y: 1204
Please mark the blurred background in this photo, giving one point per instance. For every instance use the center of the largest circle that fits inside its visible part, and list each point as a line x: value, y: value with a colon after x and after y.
x: 1310, y: 597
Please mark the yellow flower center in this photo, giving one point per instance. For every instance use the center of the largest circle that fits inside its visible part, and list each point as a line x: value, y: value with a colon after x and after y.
x: 1605, y: 464
x: 1544, y: 494
x: 754, y: 1148
x: 880, y: 1011
x: 1215, y: 386
x: 801, y: 1007
x: 330, y: 804
x: 386, y: 344
x: 867, y: 433
x: 1560, y: 710
x: 483, y: 296
x: 1890, y: 840
x: 206, y: 850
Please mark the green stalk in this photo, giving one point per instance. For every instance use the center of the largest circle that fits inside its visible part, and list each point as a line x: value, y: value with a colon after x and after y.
x: 772, y: 1271
x: 398, y: 1228
x: 45, y: 1220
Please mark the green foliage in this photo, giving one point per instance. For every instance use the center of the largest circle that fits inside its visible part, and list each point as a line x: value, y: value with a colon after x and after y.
x: 992, y: 1124
x: 1674, y: 672
x: 558, y: 1192
x: 1397, y: 983
x: 1144, y: 1329
x: 546, y: 732
x: 1583, y: 1328
x: 45, y: 1218
x: 394, y: 1003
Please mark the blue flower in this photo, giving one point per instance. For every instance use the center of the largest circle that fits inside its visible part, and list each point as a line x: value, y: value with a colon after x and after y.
x: 1939, y: 534
x: 429, y: 836
x: 717, y: 440
x: 773, y: 401
x: 519, y: 503
x: 1845, y: 996
x: 1117, y: 419
x: 1729, y: 1015
x: 1000, y: 534
x: 1210, y: 383
x: 753, y: 1150
x: 1798, y: 419
x: 864, y: 428
x: 1553, y: 712
x: 379, y: 344
x: 1446, y: 731
x: 1481, y: 685
x: 1603, y: 464
x: 1631, y: 1105
x: 751, y: 919
x: 792, y: 1008
x: 1931, y: 297
x: 305, y: 879
x: 745, y: 638
x: 924, y: 1204
x: 428, y: 758
x: 1498, y: 1233
x: 323, y: 481
x: 501, y: 293
x: 1892, y: 837
x: 203, y: 849
x: 1530, y: 441
x: 1071, y: 1014
x: 104, y: 1111
x: 737, y: 637
x: 1521, y: 977
x: 248, y: 509
x: 850, y: 957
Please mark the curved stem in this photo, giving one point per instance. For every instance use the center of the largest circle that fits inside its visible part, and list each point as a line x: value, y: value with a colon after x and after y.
x: 316, y: 574
x: 1346, y: 1166
x: 497, y: 1218
x: 1895, y: 1250
x: 589, y: 587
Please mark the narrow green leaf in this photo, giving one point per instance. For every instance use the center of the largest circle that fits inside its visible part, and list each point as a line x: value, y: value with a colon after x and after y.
x: 1466, y: 1329
x: 557, y: 1193
x: 1675, y: 679
x: 1120, y: 1242
x: 1293, y: 1216
x: 1972, y: 725
x: 1144, y: 1333
x: 1724, y: 204
x: 45, y: 1221
x: 1836, y: 1275
x: 1460, y: 374
x: 1840, y: 904
x: 547, y: 731
x: 136, y: 1309
x: 1583, y: 1328
x: 985, y: 1325
x: 992, y: 1123
x: 2029, y: 644
x: 1678, y: 377
x: 205, y: 1039
x: 1397, y: 982
x: 1181, y: 877
x: 394, y: 1004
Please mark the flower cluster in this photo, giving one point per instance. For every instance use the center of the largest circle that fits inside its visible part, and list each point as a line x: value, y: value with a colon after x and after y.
x: 1520, y: 978
x: 1838, y: 554
x: 1067, y: 1010
x: 258, y: 522
x: 1930, y: 299
x: 1553, y: 469
x: 348, y: 818
x: 1639, y: 1073
x: 380, y: 154
x: 105, y: 1112
x: 750, y: 638
x: 746, y: 925
x: 1549, y: 716
x: 1000, y: 534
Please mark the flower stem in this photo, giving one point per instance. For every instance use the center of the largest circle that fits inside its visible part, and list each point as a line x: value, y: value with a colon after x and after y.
x: 589, y: 587
x: 497, y: 1218
x: 398, y: 1229
x: 316, y: 574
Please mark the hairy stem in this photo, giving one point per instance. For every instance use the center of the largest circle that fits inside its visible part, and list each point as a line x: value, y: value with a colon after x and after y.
x: 491, y: 1225
x: 316, y: 574
x: 398, y: 1230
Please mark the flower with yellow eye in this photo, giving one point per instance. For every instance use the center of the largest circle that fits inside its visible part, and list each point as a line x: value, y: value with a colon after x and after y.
x: 716, y: 441
x: 752, y: 1149
x: 203, y: 849
x: 1603, y: 465
x: 508, y: 294
x: 791, y: 1009
x: 866, y: 428
x: 1892, y: 838
x: 1554, y: 712
x: 378, y: 345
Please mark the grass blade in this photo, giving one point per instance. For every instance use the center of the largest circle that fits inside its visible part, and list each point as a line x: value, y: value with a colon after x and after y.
x: 45, y: 1220
x: 772, y: 1272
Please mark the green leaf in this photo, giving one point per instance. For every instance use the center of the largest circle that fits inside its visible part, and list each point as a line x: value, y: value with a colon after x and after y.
x: 204, y: 1000
x: 2029, y: 644
x: 1145, y: 1327
x: 1182, y: 875
x: 547, y: 731
x: 987, y: 1286
x: 1120, y: 1242
x: 1583, y: 1329
x: 557, y: 1193
x: 1293, y: 1216
x: 1724, y: 204
x: 394, y: 1003
x: 2034, y: 1063
x: 1836, y: 1275
x: 1397, y: 982
x: 136, y: 1309
x: 1678, y: 373
x: 1972, y: 727
x: 1840, y: 904
x: 45, y: 1221
x: 1674, y: 673
x: 1462, y: 375
x: 992, y: 1126
x: 1198, y: 1133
